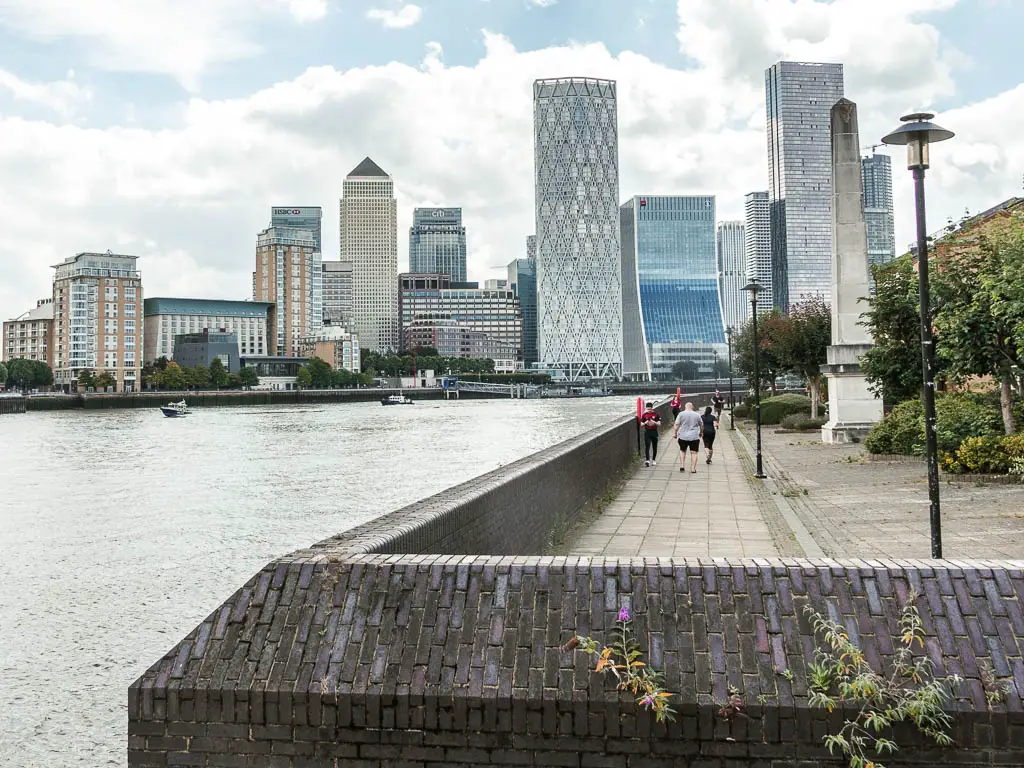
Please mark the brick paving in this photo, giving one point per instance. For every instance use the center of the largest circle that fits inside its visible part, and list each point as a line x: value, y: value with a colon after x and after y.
x: 662, y: 512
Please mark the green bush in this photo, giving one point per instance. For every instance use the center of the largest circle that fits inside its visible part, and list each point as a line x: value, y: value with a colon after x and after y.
x: 801, y: 421
x: 901, y: 431
x: 775, y: 409
x: 741, y: 411
x: 984, y: 455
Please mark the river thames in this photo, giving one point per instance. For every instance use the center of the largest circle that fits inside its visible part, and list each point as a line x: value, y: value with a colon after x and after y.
x: 121, y: 530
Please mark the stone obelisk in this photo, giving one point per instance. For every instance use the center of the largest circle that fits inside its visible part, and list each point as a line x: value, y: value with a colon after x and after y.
x: 852, y: 408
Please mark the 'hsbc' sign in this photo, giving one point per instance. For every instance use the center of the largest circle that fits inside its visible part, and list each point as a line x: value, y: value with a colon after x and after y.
x: 295, y: 211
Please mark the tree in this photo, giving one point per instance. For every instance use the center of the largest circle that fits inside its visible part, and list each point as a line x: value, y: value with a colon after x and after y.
x: 25, y: 374
x: 686, y: 370
x: 42, y: 374
x: 86, y: 378
x: 3, y: 374
x: 799, y: 342
x: 218, y: 373
x: 233, y: 381
x: 319, y: 373
x: 743, y: 351
x: 173, y: 377
x: 425, y: 351
x: 248, y: 376
x: 893, y: 316
x: 980, y: 312
x: 105, y: 379
x: 304, y: 379
x: 720, y: 368
x: 198, y: 377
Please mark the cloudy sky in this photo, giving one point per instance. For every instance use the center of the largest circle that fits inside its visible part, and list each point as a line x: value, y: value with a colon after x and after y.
x: 168, y: 128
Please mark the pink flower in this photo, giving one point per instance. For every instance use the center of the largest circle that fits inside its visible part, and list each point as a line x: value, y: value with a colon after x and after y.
x: 624, y: 613
x: 647, y: 701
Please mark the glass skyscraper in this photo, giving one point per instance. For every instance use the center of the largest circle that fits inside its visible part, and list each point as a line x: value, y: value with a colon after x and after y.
x: 437, y: 243
x: 876, y: 173
x: 579, y: 298
x: 522, y: 281
x: 671, y: 306
x: 299, y: 217
x: 757, y: 236
x: 799, y: 98
x: 732, y: 274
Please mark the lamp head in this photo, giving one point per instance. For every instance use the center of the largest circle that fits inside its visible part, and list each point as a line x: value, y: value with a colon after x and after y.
x: 752, y: 287
x: 917, y: 132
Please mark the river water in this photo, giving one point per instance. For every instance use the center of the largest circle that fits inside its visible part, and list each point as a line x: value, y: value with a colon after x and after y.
x: 121, y: 530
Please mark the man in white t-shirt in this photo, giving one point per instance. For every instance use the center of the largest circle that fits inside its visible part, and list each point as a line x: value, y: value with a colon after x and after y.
x: 687, y: 431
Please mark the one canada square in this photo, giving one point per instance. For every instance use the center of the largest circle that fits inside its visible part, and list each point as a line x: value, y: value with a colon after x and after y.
x: 579, y: 292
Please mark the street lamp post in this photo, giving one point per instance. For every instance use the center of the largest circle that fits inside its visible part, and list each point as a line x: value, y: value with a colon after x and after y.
x: 728, y: 335
x: 716, y: 369
x: 917, y: 132
x: 753, y: 287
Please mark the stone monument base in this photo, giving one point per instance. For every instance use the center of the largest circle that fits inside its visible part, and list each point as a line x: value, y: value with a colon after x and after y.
x: 852, y: 408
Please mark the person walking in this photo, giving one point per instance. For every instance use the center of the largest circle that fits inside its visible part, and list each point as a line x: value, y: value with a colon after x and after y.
x: 687, y: 432
x: 676, y: 403
x: 651, y: 422
x: 709, y: 427
x: 719, y: 402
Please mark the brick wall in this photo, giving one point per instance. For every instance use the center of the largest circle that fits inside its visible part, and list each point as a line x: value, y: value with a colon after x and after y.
x: 346, y: 655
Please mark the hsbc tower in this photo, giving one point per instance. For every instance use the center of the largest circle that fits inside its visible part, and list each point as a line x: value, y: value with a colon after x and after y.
x: 308, y: 217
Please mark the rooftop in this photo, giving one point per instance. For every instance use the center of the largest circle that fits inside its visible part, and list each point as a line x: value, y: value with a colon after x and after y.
x: 224, y: 307
x: 367, y: 168
x: 41, y: 312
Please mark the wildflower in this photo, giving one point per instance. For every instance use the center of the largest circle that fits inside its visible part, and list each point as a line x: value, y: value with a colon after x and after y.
x: 624, y: 613
x: 647, y: 701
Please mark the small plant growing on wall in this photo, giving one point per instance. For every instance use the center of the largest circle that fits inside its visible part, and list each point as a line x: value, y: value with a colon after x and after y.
x: 623, y: 659
x: 841, y: 674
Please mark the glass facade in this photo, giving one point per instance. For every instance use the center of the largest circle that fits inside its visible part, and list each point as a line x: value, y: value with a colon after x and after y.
x: 876, y: 173
x: 299, y: 217
x: 799, y: 97
x: 437, y: 243
x: 522, y: 281
x: 579, y: 296
x: 337, y: 287
x: 671, y: 242
x: 757, y: 246
x: 732, y: 274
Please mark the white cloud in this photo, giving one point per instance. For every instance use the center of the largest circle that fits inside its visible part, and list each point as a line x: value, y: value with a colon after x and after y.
x: 542, y: 3
x: 180, y: 38
x: 404, y: 17
x: 190, y: 200
x: 61, y: 96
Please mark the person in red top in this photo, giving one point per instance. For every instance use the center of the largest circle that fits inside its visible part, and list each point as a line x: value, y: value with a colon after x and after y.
x: 676, y: 405
x: 651, y: 423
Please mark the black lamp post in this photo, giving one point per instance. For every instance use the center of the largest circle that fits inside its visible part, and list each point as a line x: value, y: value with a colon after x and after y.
x: 716, y: 368
x: 728, y: 335
x: 917, y: 133
x: 753, y: 287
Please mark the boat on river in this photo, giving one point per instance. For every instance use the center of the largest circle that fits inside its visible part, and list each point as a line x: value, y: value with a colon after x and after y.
x: 179, y: 408
x: 398, y: 399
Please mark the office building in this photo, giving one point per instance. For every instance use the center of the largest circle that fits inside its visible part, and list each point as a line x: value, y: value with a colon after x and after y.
x: 309, y: 217
x: 252, y: 323
x: 451, y: 339
x: 496, y: 284
x: 732, y: 274
x: 437, y: 243
x: 757, y: 235
x: 494, y: 313
x: 876, y: 174
x: 531, y: 247
x: 337, y: 288
x: 97, y: 320
x: 522, y: 281
x: 579, y: 293
x: 799, y: 98
x: 290, y: 276
x: 28, y: 335
x: 335, y: 345
x: 671, y: 311
x: 369, y: 240
x: 194, y: 349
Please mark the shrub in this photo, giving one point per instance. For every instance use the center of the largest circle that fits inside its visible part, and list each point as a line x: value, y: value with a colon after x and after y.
x: 801, y: 421
x: 962, y: 415
x: 901, y: 431
x: 775, y: 409
x: 742, y: 411
x: 985, y: 455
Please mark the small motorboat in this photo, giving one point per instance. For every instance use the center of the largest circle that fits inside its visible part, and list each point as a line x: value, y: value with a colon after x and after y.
x: 398, y: 399
x: 174, y: 409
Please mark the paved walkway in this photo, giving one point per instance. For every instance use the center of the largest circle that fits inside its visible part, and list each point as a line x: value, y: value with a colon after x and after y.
x: 662, y: 512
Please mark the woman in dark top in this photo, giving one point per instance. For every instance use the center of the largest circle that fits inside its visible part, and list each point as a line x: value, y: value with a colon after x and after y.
x: 710, y: 425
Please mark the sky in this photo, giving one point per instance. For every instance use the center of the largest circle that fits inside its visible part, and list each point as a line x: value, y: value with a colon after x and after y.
x: 168, y: 129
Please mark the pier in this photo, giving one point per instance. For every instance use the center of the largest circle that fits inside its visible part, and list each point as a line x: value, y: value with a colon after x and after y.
x: 12, y: 404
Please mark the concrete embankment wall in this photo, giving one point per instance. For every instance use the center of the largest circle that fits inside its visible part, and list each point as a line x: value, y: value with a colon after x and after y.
x: 354, y: 652
x: 12, y: 405
x: 207, y: 399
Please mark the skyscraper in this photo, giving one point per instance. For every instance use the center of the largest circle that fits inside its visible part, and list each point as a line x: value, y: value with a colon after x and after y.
x: 522, y: 281
x: 437, y: 243
x: 307, y: 217
x: 289, y: 276
x: 671, y: 307
x: 579, y: 294
x: 97, y: 320
x: 757, y: 237
x: 338, y: 293
x: 799, y: 97
x: 531, y: 246
x: 369, y: 239
x: 732, y: 273
x: 876, y: 173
